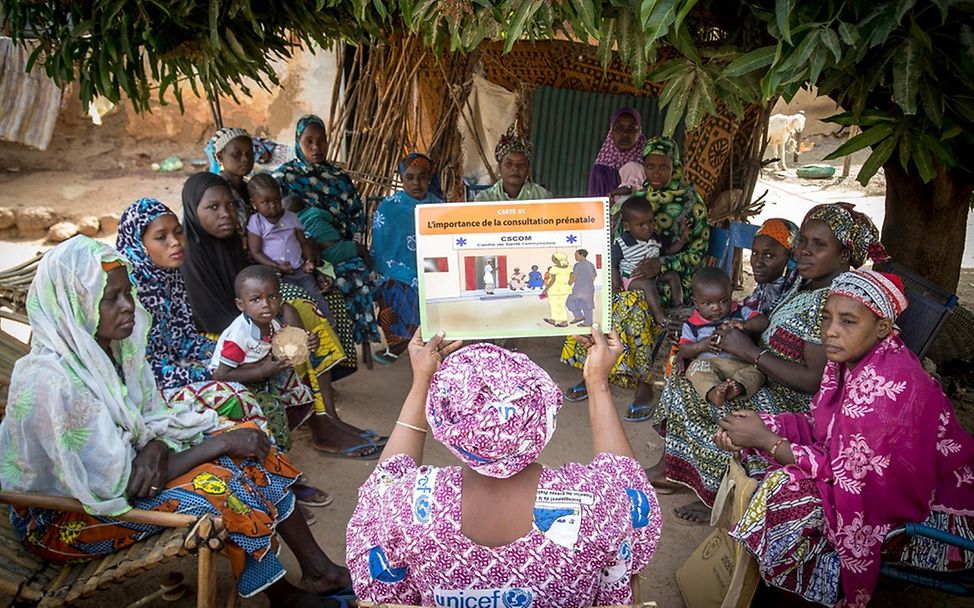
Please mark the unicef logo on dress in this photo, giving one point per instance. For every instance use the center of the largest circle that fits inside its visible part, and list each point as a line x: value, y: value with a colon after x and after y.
x: 517, y: 598
x: 421, y: 509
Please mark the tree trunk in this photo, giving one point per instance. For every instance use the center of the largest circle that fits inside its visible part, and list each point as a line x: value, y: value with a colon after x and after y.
x: 926, y: 224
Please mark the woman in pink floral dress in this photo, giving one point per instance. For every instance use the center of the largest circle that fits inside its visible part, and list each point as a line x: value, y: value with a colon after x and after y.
x: 501, y: 530
x: 880, y: 448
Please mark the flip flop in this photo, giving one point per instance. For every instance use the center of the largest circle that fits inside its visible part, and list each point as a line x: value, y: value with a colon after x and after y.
x: 349, y: 453
x: 379, y: 440
x: 309, y: 516
x: 346, y: 600
x: 310, y: 496
x: 385, y: 357
x: 576, y: 393
x: 639, y: 413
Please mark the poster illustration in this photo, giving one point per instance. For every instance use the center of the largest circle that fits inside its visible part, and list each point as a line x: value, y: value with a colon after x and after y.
x: 513, y: 269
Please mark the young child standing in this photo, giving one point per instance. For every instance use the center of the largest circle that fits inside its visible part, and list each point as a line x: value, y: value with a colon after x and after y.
x: 276, y: 239
x: 716, y: 375
x: 637, y: 244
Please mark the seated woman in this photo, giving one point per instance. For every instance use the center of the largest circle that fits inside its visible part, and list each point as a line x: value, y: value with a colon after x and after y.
x: 87, y: 421
x: 623, y: 144
x: 880, y: 448
x: 327, y: 203
x: 394, y: 255
x: 679, y: 213
x: 772, y: 264
x: 232, y: 152
x: 501, y: 526
x: 790, y: 354
x: 150, y: 236
x: 513, y: 156
x: 214, y: 256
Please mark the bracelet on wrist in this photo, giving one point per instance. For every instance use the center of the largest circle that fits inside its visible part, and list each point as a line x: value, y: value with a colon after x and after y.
x: 410, y: 426
x: 774, y: 448
x: 761, y: 354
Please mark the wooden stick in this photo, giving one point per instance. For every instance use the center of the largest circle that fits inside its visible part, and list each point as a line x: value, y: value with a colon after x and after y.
x: 206, y: 579
x: 63, y: 503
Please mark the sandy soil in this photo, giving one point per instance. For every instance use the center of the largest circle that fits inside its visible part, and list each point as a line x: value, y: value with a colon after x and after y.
x: 90, y: 173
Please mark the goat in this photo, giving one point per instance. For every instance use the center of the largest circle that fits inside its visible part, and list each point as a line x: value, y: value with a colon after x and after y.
x: 782, y: 129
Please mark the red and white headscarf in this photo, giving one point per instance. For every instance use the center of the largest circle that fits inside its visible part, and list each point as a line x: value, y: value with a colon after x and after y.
x: 880, y: 292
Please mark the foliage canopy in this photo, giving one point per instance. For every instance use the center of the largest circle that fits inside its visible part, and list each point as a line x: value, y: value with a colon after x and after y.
x: 903, y: 68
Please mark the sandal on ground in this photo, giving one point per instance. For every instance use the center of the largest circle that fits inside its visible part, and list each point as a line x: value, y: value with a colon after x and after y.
x: 351, y: 453
x: 385, y: 357
x: 666, y: 487
x: 576, y: 393
x: 379, y: 440
x: 344, y: 600
x: 310, y: 496
x: 309, y: 516
x: 639, y: 413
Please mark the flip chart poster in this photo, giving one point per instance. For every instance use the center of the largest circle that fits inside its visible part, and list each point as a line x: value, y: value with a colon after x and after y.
x: 513, y: 269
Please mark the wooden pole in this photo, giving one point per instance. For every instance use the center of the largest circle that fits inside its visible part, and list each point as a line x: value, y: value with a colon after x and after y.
x: 64, y: 503
x: 206, y: 578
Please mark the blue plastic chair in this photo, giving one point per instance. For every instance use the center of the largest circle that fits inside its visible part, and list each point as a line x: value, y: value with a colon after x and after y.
x: 470, y: 189
x: 955, y: 583
x: 725, y: 241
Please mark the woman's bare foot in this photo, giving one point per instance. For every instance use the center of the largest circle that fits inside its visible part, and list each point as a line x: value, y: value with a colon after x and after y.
x: 644, y: 394
x: 331, y: 579
x: 696, y: 512
x: 657, y: 478
x: 734, y: 389
x: 326, y: 436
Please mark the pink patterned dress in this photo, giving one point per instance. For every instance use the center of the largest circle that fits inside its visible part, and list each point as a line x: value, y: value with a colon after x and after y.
x: 881, y: 447
x: 595, y: 526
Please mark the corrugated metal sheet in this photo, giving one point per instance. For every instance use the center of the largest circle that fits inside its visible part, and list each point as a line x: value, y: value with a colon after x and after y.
x: 568, y: 128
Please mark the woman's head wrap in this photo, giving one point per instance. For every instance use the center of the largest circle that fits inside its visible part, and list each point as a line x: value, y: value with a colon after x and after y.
x: 611, y: 156
x: 416, y: 159
x: 511, y: 142
x: 664, y: 146
x: 783, y: 231
x: 303, y: 123
x: 560, y: 258
x: 880, y: 292
x: 494, y: 409
x: 854, y: 230
x: 219, y: 141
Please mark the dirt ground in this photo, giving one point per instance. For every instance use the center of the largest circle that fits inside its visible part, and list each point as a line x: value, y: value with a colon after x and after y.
x: 87, y: 171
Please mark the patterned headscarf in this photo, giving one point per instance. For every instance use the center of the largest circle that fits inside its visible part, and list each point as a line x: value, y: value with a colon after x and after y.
x: 415, y: 159
x: 854, y: 230
x: 880, y: 292
x: 162, y: 291
x: 303, y: 123
x: 611, y: 156
x: 219, y: 141
x: 783, y: 231
x: 511, y: 142
x: 664, y: 146
x: 494, y: 409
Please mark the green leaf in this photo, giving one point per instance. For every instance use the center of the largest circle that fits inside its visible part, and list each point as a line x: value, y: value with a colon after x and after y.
x: 674, y: 111
x: 923, y: 162
x: 869, y: 137
x: 877, y: 159
x: 214, y: 21
x: 749, y: 62
x: 944, y: 6
x: 694, y: 109
x: 524, y: 12
x: 687, y: 7
x: 606, y: 34
x: 933, y: 103
x: 868, y: 118
x: 938, y: 148
x: 904, y: 149
x: 669, y: 69
x: 585, y: 9
x: 801, y: 53
x: 881, y: 23
x: 673, y: 86
x: 782, y: 17
x: 831, y: 40
x: 645, y: 10
x: 848, y: 34
x: 906, y: 76
x: 659, y: 22
x: 816, y: 64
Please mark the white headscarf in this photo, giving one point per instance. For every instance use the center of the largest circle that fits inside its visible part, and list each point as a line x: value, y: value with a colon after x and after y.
x: 73, y: 425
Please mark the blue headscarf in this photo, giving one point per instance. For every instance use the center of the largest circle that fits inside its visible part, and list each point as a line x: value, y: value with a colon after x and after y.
x: 173, y: 337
